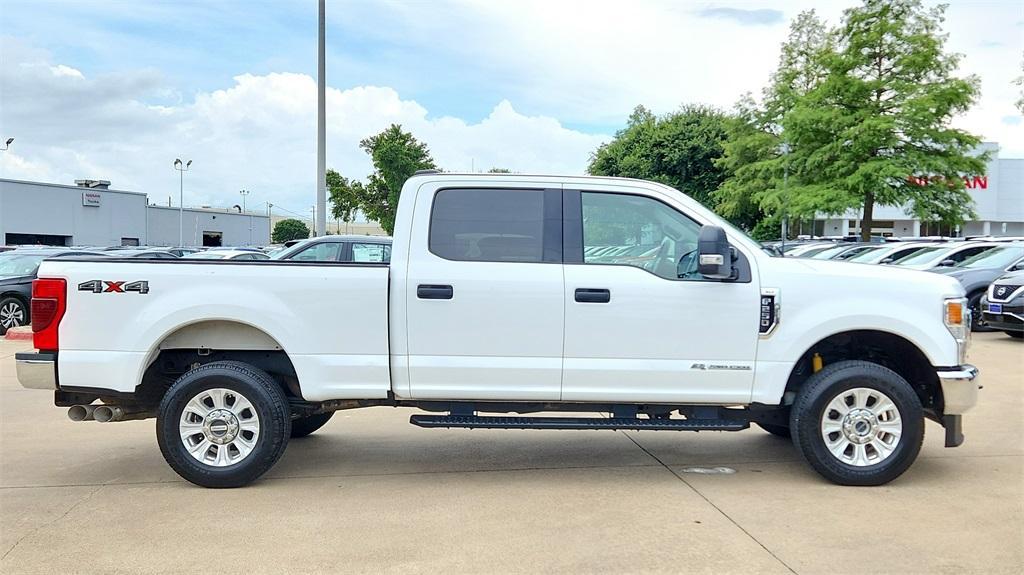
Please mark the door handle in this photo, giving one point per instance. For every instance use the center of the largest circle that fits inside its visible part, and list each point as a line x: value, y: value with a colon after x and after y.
x: 590, y: 295
x: 424, y: 291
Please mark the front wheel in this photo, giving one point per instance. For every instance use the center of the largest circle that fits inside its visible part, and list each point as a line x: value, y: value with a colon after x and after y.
x: 223, y: 424
x: 857, y: 423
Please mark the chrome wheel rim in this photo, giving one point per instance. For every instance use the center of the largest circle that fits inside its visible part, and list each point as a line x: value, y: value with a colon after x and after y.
x: 219, y: 427
x: 12, y: 315
x: 861, y: 427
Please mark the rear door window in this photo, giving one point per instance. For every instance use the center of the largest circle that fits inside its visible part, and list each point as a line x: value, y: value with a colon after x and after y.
x: 490, y: 225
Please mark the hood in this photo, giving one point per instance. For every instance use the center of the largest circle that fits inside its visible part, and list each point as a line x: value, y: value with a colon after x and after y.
x: 12, y: 280
x: 851, y: 276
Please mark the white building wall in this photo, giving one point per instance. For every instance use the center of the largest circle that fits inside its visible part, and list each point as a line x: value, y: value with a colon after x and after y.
x: 236, y: 229
x: 52, y: 209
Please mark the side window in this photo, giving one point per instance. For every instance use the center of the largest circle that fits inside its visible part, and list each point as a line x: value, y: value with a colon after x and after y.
x: 319, y: 252
x: 961, y: 256
x: 488, y: 225
x: 621, y: 229
x: 371, y: 252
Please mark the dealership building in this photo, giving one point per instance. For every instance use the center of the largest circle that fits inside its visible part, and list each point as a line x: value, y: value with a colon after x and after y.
x: 90, y: 213
x: 998, y: 202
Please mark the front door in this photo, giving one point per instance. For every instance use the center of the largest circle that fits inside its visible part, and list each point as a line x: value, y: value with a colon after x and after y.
x: 641, y: 325
x: 485, y: 311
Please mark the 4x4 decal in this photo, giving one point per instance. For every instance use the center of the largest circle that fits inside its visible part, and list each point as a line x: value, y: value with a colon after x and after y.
x: 104, y: 286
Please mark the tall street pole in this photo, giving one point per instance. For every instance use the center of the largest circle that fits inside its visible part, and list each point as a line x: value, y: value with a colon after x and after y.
x: 181, y: 195
x: 320, y: 227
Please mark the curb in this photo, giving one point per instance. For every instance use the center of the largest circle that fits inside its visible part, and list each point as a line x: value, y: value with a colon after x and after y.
x: 21, y: 333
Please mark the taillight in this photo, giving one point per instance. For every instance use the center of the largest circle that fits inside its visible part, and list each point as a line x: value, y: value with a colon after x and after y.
x: 49, y: 297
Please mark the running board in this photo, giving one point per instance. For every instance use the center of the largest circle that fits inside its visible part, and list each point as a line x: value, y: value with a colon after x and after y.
x: 490, y: 422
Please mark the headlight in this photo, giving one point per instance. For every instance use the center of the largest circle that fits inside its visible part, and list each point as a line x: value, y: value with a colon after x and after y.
x: 957, y: 316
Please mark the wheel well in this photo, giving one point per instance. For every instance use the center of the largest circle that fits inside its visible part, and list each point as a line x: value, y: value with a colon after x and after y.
x: 205, y: 342
x: 886, y: 349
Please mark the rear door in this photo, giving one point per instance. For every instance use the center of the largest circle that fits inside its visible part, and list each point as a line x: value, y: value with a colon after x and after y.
x: 484, y: 293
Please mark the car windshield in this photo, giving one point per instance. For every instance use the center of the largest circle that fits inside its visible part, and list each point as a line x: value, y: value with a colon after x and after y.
x: 13, y: 265
x: 924, y: 256
x: 869, y: 254
x: 997, y: 258
x: 206, y: 256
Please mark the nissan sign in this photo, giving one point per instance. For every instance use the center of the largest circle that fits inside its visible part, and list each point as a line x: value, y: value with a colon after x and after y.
x: 91, y: 199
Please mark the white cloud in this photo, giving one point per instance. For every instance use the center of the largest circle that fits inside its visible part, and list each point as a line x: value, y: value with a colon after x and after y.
x: 62, y: 70
x: 257, y: 134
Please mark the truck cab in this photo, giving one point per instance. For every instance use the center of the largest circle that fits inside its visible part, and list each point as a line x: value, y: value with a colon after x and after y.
x: 519, y: 294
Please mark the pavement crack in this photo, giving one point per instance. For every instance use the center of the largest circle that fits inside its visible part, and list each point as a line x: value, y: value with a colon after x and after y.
x: 711, y: 503
x: 87, y: 497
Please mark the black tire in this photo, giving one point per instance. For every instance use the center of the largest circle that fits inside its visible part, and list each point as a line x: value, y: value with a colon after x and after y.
x: 1016, y: 334
x: 266, y: 397
x: 813, y: 399
x: 974, y: 303
x: 776, y: 430
x: 303, y: 426
x: 17, y: 308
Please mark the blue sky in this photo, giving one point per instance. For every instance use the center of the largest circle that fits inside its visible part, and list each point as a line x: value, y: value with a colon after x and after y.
x: 117, y: 89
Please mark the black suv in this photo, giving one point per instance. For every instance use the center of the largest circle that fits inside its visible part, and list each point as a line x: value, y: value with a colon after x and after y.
x: 1003, y: 306
x: 17, y: 270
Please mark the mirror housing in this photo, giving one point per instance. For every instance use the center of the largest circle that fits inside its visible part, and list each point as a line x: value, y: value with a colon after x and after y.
x: 947, y: 263
x: 715, y: 255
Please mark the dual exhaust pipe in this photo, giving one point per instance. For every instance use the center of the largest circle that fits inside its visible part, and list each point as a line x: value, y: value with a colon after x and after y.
x: 106, y: 413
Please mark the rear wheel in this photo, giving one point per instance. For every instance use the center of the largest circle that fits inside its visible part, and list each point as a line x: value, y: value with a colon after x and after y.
x: 13, y: 313
x: 223, y: 424
x: 303, y: 426
x: 857, y: 423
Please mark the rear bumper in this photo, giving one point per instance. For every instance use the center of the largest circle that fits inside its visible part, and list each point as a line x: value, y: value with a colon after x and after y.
x: 959, y: 393
x: 37, y: 370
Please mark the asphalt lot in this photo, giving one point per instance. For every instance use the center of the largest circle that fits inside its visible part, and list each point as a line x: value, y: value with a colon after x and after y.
x: 371, y: 493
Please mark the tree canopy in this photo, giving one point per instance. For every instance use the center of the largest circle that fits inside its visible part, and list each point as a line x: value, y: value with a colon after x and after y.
x: 678, y: 149
x: 396, y: 156
x: 864, y: 111
x: 288, y: 230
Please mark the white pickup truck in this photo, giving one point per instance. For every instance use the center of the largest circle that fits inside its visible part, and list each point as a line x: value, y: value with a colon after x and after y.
x: 513, y: 294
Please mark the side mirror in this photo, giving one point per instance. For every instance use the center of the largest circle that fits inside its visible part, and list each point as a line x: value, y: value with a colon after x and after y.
x: 714, y: 254
x: 886, y: 261
x: 947, y: 263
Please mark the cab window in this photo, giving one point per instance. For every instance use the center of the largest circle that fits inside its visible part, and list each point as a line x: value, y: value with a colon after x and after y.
x: 622, y: 229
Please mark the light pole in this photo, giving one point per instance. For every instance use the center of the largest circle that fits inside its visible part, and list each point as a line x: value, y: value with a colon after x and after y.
x: 245, y: 193
x: 181, y: 195
x: 785, y: 193
x: 7, y: 145
x: 270, y: 224
x: 320, y: 221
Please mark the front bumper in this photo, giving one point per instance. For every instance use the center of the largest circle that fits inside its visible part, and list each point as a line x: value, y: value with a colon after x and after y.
x: 37, y: 370
x: 1010, y: 317
x: 959, y: 393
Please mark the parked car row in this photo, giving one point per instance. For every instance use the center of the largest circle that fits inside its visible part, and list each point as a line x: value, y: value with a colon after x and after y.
x: 978, y: 264
x: 19, y: 265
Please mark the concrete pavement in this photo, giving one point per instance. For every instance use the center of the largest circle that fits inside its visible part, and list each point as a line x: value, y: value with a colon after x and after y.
x: 370, y: 493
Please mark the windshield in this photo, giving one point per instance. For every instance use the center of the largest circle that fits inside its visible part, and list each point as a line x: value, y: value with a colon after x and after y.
x: 206, y: 256
x: 829, y: 253
x: 997, y: 258
x: 869, y: 254
x: 12, y: 265
x: 924, y: 256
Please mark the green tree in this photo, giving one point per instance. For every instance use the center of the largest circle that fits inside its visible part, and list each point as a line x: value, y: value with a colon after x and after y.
x: 678, y: 149
x: 288, y: 230
x: 754, y: 193
x: 499, y: 171
x: 396, y: 156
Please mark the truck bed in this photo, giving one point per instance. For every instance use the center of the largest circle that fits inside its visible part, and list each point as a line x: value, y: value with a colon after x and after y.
x: 331, y: 318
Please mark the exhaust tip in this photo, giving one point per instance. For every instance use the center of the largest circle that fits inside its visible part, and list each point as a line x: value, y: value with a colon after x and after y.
x: 103, y: 414
x: 81, y: 412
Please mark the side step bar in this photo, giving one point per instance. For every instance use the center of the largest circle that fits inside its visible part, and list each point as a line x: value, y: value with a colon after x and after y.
x: 491, y: 422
